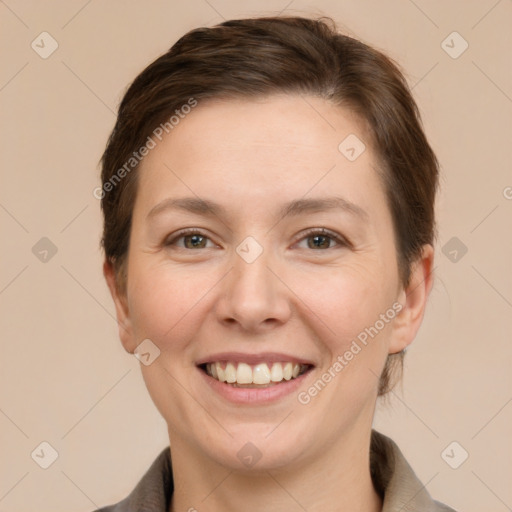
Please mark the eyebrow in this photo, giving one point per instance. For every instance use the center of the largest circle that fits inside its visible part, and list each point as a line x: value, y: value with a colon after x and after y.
x: 296, y: 207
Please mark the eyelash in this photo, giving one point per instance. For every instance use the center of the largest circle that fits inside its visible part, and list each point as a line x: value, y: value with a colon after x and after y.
x: 342, y: 242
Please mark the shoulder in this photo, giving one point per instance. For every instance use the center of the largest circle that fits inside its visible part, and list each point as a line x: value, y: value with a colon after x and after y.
x: 441, y: 507
x: 119, y: 507
x: 153, y: 491
x: 395, y: 479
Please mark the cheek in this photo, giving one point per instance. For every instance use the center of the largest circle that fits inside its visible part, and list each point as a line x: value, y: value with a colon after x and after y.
x: 354, y: 337
x: 344, y: 301
x: 165, y: 303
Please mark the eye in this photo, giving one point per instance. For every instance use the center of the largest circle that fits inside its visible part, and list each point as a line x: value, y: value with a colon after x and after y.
x: 316, y: 238
x: 322, y: 239
x: 189, y: 239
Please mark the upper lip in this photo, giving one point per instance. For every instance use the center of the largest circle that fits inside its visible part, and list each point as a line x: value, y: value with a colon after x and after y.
x: 263, y: 357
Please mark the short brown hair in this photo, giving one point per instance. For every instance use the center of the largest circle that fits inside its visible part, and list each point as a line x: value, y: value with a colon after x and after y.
x: 257, y: 57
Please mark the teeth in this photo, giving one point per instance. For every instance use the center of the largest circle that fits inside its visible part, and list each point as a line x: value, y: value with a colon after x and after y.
x: 260, y: 374
x: 230, y: 373
x: 287, y: 371
x: 219, y: 371
x: 242, y: 373
x: 277, y: 372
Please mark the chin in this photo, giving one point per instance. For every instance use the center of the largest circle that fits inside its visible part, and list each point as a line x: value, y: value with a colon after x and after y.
x: 256, y: 448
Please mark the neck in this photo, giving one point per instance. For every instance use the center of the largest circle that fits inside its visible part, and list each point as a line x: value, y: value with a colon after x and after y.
x: 338, y: 480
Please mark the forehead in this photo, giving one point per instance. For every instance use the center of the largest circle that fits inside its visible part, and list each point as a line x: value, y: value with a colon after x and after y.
x: 257, y: 148
x: 292, y: 124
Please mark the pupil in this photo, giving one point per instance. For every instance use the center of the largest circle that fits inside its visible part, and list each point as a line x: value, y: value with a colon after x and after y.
x: 195, y: 240
x: 317, y: 238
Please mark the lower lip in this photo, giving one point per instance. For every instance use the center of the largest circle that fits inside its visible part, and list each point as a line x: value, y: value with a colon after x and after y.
x: 254, y: 396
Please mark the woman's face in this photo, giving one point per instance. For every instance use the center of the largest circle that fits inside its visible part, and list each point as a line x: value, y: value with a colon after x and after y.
x: 254, y: 289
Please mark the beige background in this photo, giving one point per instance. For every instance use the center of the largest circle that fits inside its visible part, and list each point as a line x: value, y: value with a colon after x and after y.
x: 65, y: 378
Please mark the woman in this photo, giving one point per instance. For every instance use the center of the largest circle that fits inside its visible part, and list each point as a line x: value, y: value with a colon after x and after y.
x: 268, y: 197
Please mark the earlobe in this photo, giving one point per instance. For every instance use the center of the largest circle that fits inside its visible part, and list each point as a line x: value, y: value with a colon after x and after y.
x: 413, y: 299
x: 122, y: 310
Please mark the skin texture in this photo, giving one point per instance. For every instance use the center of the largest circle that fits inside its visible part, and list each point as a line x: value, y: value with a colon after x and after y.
x: 252, y: 156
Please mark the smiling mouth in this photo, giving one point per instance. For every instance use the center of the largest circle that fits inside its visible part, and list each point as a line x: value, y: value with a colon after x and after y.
x: 243, y: 375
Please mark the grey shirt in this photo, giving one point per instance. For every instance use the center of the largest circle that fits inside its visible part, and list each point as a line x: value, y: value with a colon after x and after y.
x: 392, y: 477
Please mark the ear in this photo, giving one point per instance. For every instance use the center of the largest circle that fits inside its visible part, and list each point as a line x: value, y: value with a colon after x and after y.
x: 122, y: 310
x: 413, y: 300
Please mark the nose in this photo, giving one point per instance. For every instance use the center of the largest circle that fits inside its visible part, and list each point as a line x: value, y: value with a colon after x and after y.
x: 253, y: 297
